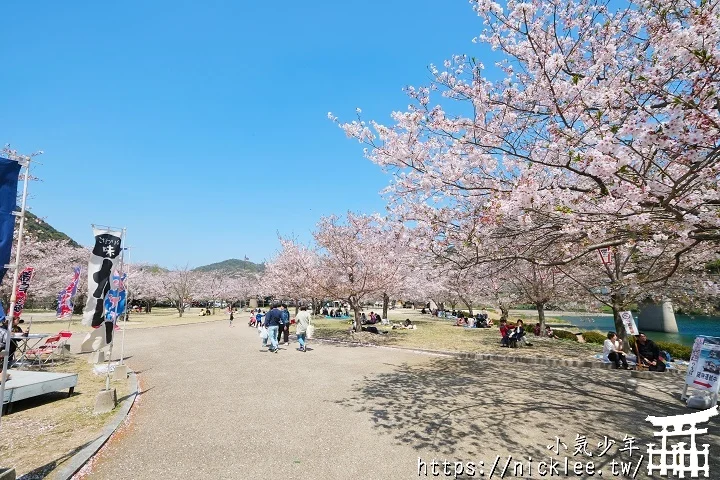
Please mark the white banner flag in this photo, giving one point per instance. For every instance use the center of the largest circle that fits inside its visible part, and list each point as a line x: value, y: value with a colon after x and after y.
x: 100, y: 267
x: 629, y: 322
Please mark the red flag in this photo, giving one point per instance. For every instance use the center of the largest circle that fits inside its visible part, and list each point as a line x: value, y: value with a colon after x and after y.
x: 21, y: 292
x: 65, y: 305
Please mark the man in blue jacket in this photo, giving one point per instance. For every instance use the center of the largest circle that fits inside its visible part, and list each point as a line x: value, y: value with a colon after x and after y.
x: 273, y: 321
x: 284, y: 329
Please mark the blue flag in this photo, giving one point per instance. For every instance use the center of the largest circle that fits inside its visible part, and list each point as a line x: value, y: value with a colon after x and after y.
x: 9, y: 171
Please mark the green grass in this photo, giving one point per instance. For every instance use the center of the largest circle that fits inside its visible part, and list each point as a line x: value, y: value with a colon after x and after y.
x: 160, y: 317
x: 438, y: 334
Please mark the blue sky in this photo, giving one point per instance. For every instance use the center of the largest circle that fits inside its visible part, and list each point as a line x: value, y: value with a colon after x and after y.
x: 202, y: 126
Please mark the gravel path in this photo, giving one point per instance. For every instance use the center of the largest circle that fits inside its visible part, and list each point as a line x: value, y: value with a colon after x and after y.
x: 216, y: 406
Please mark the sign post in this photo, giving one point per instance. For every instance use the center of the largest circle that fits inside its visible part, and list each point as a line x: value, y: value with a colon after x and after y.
x: 629, y: 323
x: 704, y: 369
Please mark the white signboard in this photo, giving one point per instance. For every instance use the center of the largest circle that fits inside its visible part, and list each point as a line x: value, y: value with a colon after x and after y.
x: 629, y: 322
x: 704, y: 368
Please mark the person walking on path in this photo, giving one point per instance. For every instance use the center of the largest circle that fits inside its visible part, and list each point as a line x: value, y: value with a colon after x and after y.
x: 302, y: 320
x: 273, y: 320
x: 284, y: 329
x: 231, y: 317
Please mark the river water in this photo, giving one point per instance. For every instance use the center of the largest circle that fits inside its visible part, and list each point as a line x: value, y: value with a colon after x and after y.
x: 689, y: 325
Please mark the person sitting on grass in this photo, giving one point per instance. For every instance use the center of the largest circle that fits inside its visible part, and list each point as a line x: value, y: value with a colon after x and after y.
x: 536, y: 330
x: 549, y: 333
x: 505, y: 331
x: 612, y: 351
x: 518, y: 335
x: 408, y: 324
x: 371, y: 329
x: 649, y: 354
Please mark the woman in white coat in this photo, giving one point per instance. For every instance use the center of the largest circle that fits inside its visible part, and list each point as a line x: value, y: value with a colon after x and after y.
x: 302, y: 321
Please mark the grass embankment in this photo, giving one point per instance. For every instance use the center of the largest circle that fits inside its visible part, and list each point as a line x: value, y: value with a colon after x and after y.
x: 441, y: 334
x: 159, y: 317
x: 43, y: 432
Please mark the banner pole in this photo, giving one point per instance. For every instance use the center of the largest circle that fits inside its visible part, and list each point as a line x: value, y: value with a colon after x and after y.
x: 127, y: 306
x: 13, y: 295
x: 112, y: 342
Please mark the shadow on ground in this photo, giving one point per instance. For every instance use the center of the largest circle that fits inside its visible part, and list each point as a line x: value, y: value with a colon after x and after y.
x: 473, y: 410
x: 43, y: 471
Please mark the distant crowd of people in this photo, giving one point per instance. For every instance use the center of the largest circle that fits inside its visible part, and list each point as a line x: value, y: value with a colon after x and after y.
x: 480, y: 320
x: 335, y: 312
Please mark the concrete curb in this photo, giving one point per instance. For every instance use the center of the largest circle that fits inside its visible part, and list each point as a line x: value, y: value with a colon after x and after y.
x: 72, y: 466
x: 554, y: 362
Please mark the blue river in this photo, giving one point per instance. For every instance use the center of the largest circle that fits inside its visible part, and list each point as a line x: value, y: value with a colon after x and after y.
x: 689, y: 325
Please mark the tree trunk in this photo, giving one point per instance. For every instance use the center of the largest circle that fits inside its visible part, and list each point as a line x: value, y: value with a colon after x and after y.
x: 357, y: 324
x: 618, y: 304
x: 504, y: 313
x: 315, y: 306
x: 468, y: 305
x: 386, y: 302
x: 541, y: 316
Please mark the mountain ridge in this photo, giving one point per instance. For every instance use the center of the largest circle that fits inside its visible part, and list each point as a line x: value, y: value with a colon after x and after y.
x: 43, y: 231
x: 232, y: 265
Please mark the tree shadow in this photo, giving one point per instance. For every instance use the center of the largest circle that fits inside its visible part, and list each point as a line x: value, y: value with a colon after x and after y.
x: 477, y: 410
x: 43, y: 471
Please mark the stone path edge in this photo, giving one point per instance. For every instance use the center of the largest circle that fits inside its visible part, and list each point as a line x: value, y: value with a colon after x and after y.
x: 77, y: 461
x: 556, y: 362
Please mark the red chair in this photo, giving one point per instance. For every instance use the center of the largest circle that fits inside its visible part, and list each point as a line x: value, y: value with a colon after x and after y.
x: 48, y: 349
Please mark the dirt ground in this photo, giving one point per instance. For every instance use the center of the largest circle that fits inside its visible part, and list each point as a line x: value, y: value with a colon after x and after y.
x: 42, y: 432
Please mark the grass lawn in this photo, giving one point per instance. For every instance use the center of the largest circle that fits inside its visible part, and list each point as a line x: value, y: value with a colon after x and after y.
x: 440, y: 334
x: 42, y: 432
x: 160, y: 317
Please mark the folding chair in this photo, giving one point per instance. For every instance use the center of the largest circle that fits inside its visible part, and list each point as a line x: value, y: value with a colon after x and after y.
x: 47, y: 349
x: 65, y: 334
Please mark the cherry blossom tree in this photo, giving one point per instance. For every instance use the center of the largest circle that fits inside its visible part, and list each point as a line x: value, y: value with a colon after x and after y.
x: 145, y: 283
x: 292, y: 271
x: 242, y: 286
x: 603, y: 131
x: 353, y: 259
x: 212, y: 286
x: 179, y: 287
x: 538, y: 285
x: 53, y: 261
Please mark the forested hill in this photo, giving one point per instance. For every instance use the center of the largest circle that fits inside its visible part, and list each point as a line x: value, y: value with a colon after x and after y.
x: 232, y: 265
x: 43, y: 231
